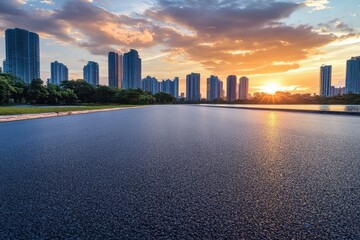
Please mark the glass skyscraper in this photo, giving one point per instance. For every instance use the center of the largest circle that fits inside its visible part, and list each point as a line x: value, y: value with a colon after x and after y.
x: 115, y: 70
x: 325, y: 80
x: 353, y: 75
x: 193, y: 87
x: 132, y: 70
x: 213, y: 88
x: 244, y: 88
x: 176, y: 87
x: 22, y: 54
x: 170, y: 87
x: 91, y: 73
x: 221, y: 89
x: 231, y: 88
x: 59, y: 73
x: 150, y: 84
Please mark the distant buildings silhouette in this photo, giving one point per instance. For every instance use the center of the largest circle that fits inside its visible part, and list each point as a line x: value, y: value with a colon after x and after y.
x: 124, y: 72
x: 151, y: 84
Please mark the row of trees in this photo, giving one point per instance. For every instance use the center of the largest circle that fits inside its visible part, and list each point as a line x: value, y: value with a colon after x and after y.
x: 285, y: 98
x: 14, y: 90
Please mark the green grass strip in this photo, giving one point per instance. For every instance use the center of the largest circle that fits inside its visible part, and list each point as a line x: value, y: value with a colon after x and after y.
x: 50, y: 109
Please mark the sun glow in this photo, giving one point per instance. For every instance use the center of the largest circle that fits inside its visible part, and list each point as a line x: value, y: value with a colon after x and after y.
x: 271, y: 88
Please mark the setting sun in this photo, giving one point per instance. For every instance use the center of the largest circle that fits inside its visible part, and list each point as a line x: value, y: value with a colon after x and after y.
x: 271, y: 88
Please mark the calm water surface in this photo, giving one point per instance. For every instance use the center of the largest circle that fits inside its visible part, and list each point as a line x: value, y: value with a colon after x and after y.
x: 181, y: 172
x: 315, y: 107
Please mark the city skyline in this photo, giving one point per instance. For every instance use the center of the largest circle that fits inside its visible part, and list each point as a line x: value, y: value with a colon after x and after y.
x: 23, y: 57
x: 331, y: 38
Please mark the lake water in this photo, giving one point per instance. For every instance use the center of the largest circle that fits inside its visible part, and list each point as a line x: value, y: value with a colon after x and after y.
x: 312, y: 107
x: 181, y: 172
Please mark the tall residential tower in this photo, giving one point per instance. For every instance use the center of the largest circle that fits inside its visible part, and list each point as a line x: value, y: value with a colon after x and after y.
x: 244, y: 88
x: 193, y: 87
x: 325, y: 80
x: 91, y: 73
x: 213, y: 88
x: 150, y: 84
x: 353, y: 75
x: 131, y: 70
x: 22, y: 54
x: 115, y: 70
x: 59, y: 73
x: 231, y: 88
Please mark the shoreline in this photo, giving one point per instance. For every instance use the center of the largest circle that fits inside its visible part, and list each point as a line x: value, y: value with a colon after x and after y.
x: 22, y: 117
x: 287, y: 110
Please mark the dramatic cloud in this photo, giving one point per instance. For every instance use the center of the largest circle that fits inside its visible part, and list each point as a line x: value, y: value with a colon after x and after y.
x: 49, y: 2
x: 81, y: 23
x: 336, y: 25
x: 317, y: 5
x: 225, y: 36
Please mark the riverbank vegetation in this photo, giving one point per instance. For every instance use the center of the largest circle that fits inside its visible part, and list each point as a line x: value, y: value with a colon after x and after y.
x: 286, y: 98
x: 9, y: 110
x: 71, y: 92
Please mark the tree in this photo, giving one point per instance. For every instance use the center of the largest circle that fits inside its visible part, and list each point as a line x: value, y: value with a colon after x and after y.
x: 54, y: 96
x: 6, y: 89
x: 146, y: 98
x: 83, y: 90
x: 38, y: 93
x: 22, y: 91
x: 164, y: 98
x: 104, y: 94
x: 68, y: 96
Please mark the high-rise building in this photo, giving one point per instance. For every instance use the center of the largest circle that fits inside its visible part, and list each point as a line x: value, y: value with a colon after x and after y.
x: 59, y: 73
x: 244, y: 88
x: 221, y: 93
x: 325, y: 80
x: 115, y: 70
x: 22, y: 54
x: 91, y: 73
x: 212, y: 88
x: 131, y: 70
x: 150, y: 84
x: 176, y: 87
x: 231, y: 88
x: 193, y: 87
x: 167, y: 86
x: 170, y: 87
x: 353, y: 75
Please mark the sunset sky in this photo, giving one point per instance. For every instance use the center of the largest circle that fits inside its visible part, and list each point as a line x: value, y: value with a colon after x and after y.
x: 279, y: 43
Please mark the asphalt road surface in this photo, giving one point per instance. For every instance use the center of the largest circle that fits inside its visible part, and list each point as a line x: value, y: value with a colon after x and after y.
x: 181, y: 172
